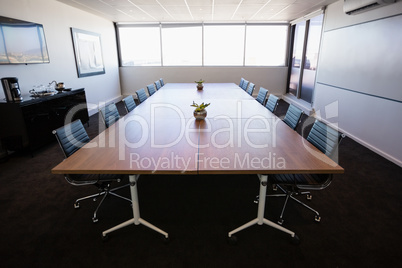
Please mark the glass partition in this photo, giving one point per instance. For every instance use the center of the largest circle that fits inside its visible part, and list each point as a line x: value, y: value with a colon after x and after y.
x: 298, y: 45
x: 311, y: 59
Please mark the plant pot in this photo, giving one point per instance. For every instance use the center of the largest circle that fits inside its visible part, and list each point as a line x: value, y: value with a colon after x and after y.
x: 200, y: 86
x: 200, y: 115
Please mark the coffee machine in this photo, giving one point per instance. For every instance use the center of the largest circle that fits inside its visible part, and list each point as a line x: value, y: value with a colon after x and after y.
x: 11, y: 89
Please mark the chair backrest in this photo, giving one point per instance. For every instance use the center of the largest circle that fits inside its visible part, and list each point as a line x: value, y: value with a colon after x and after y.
x: 262, y: 95
x: 151, y: 89
x: 250, y: 88
x: 162, y: 83
x: 158, y: 84
x: 324, y: 138
x: 142, y: 96
x: 129, y: 103
x: 245, y: 84
x: 272, y: 103
x: 71, y: 137
x: 292, y: 117
x: 241, y: 82
x: 110, y: 114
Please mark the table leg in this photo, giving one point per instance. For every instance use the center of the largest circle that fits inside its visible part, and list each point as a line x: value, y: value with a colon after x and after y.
x: 137, y: 220
x: 260, y: 220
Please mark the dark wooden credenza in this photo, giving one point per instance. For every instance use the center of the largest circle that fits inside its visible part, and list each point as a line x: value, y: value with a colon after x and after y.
x: 29, y: 123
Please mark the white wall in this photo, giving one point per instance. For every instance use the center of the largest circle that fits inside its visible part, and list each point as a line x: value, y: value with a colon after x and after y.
x: 359, y: 72
x: 57, y: 18
x: 272, y: 78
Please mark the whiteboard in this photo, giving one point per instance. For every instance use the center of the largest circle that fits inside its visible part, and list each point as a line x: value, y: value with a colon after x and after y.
x: 365, y: 58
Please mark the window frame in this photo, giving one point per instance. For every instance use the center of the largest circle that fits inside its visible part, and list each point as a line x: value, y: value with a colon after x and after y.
x: 223, y: 24
x: 138, y: 25
x: 181, y: 25
x: 161, y: 25
x: 291, y: 41
x: 285, y: 51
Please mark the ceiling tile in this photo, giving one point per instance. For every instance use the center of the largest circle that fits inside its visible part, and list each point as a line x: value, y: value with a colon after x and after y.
x: 204, y: 10
x: 199, y: 2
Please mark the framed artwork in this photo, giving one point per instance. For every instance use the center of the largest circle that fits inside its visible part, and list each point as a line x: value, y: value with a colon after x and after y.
x: 88, y: 53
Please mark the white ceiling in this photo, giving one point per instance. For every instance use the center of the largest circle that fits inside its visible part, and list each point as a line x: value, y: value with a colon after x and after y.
x: 199, y: 10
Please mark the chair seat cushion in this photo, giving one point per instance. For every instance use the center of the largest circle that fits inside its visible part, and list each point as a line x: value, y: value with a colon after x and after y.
x: 83, y: 179
x: 298, y: 179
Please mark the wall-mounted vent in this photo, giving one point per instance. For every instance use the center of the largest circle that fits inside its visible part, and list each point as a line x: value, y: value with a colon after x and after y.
x: 352, y: 7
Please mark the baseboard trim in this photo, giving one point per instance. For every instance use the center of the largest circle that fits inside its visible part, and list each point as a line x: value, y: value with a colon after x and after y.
x: 301, y: 104
x: 365, y: 144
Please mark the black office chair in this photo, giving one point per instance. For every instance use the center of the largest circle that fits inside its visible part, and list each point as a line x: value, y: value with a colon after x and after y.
x: 262, y: 95
x: 250, y: 88
x: 245, y: 84
x: 293, y: 116
x: 162, y: 83
x: 110, y: 114
x: 72, y: 137
x: 151, y: 89
x: 327, y: 140
x: 158, y: 84
x: 272, y: 103
x: 241, y: 82
x: 129, y: 103
x: 142, y: 96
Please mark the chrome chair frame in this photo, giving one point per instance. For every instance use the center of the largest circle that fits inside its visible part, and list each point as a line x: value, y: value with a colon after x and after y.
x: 327, y: 140
x: 71, y: 138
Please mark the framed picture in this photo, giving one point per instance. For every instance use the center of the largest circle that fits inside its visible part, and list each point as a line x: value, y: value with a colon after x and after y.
x: 88, y: 53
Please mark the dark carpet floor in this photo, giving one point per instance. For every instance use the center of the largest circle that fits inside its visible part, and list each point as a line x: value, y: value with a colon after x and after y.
x: 360, y: 226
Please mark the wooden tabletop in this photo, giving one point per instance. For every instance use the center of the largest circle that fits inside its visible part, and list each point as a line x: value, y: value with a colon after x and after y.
x: 161, y: 136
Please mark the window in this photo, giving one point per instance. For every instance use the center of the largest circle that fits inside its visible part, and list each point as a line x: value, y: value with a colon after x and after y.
x: 306, y: 44
x: 140, y: 46
x: 223, y: 45
x: 182, y: 45
x: 298, y: 43
x: 266, y: 45
x: 196, y: 44
x: 310, y: 66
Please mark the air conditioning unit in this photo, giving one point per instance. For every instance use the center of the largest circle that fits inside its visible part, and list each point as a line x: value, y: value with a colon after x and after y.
x: 352, y: 7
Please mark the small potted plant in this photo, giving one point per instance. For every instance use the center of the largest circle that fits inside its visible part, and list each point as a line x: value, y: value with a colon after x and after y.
x: 200, y: 113
x: 200, y: 86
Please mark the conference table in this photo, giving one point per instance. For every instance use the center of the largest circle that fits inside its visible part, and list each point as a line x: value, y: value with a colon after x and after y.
x: 161, y: 136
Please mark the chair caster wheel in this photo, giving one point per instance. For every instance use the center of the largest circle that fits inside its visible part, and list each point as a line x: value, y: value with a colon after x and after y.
x: 317, y: 218
x: 257, y: 199
x: 94, y: 220
x: 94, y: 199
x: 76, y: 205
x: 295, y: 240
x: 309, y: 197
x: 166, y: 240
x: 274, y: 187
x: 105, y: 238
x: 280, y: 221
x: 232, y: 240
